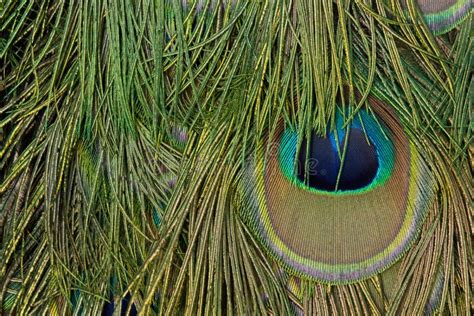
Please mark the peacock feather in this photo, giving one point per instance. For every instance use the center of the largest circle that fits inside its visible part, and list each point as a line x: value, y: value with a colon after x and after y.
x: 245, y: 157
x: 442, y: 16
x: 365, y: 164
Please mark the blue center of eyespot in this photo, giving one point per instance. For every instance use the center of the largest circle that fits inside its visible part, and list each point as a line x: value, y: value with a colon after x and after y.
x: 319, y: 164
x: 368, y: 158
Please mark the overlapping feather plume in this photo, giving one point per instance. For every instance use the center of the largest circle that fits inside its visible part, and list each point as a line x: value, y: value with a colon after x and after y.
x: 142, y: 157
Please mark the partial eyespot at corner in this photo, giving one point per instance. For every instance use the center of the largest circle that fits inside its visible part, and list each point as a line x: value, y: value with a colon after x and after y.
x: 442, y: 16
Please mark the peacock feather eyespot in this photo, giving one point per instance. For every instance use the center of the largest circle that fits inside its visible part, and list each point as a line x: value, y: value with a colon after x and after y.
x: 319, y: 164
x: 442, y: 16
x: 345, y: 232
x: 366, y: 162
